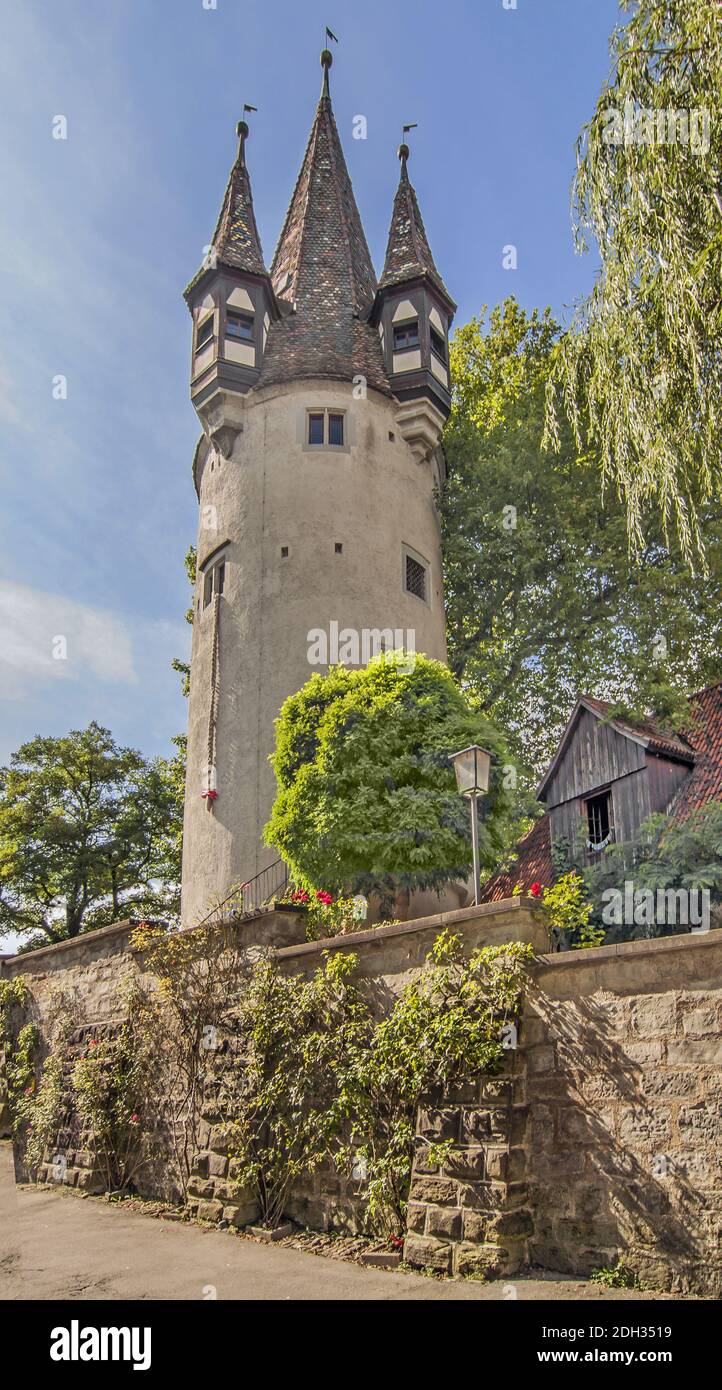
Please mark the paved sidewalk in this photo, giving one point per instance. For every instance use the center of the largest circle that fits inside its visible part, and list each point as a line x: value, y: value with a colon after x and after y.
x: 55, y: 1245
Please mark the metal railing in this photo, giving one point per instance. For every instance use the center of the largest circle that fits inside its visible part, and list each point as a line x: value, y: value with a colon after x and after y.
x: 252, y: 896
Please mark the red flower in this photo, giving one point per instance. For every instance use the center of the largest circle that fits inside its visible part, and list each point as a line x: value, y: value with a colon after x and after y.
x: 93, y: 1042
x: 300, y: 896
x: 324, y: 897
x: 535, y: 889
x: 135, y: 1119
x: 210, y: 795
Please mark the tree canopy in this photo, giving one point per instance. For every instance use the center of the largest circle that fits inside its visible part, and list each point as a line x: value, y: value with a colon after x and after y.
x: 640, y: 374
x: 367, y: 797
x: 88, y: 831
x: 543, y: 597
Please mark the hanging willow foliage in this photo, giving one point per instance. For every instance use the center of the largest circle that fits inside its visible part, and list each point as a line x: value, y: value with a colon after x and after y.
x: 639, y: 373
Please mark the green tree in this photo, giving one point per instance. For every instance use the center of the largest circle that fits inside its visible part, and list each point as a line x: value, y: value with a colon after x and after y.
x: 543, y: 597
x: 639, y: 374
x: 87, y: 832
x: 367, y: 797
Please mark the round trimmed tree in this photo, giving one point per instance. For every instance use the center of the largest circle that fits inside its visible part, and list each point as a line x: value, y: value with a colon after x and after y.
x: 367, y: 798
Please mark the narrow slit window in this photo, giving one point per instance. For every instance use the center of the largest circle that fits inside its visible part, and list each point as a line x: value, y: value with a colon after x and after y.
x: 239, y: 326
x: 415, y: 577
x: 214, y: 581
x: 406, y: 336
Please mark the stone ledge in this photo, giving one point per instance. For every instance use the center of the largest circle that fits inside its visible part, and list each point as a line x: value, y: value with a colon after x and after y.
x: 570, y: 960
x: 522, y: 905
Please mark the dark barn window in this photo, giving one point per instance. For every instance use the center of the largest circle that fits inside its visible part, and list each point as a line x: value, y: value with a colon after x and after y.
x: 600, y: 825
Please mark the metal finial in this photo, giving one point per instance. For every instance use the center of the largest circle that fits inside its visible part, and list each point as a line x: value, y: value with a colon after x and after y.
x: 403, y: 150
x: 242, y: 131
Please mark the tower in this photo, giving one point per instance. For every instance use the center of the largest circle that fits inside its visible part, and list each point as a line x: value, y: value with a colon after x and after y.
x: 322, y: 395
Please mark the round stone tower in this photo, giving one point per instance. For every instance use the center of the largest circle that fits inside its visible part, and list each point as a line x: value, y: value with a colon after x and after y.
x: 322, y: 395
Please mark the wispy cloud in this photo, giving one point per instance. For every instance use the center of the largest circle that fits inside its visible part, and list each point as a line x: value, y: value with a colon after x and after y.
x: 45, y: 637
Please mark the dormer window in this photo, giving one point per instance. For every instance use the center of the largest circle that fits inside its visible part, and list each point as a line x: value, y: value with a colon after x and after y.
x: 438, y: 345
x: 204, y: 333
x: 326, y: 429
x: 239, y: 325
x: 406, y: 336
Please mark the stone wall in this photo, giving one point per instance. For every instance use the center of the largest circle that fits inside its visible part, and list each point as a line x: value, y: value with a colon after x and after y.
x: 623, y: 1148
x: 600, y: 1142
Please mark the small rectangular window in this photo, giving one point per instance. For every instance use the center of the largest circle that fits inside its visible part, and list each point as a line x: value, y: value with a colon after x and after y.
x: 204, y: 333
x: 239, y: 326
x: 438, y: 346
x: 406, y: 336
x: 315, y: 429
x: 207, y: 588
x: 220, y: 577
x: 415, y: 577
x: 335, y: 429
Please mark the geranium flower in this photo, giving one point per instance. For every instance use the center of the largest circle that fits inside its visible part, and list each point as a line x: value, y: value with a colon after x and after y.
x: 324, y: 897
x: 535, y: 889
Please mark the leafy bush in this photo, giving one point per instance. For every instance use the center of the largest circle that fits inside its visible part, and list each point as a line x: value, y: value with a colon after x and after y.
x: 367, y: 799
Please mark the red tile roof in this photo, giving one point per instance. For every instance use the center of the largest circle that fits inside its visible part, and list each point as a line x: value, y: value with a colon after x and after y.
x: 533, y: 864
x: 408, y: 253
x: 704, y: 733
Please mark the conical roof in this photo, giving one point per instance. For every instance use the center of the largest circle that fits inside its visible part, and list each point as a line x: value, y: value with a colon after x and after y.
x: 408, y: 254
x: 322, y: 269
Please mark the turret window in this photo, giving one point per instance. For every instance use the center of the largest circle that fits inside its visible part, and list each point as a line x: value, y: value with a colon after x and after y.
x: 239, y: 326
x: 326, y: 429
x: 406, y: 336
x: 438, y: 346
x: 204, y: 333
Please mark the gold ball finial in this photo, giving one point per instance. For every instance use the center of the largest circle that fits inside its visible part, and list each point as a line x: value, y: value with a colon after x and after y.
x: 403, y: 151
x: 326, y: 58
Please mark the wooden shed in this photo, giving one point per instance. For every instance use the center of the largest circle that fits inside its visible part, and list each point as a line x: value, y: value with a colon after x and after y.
x: 608, y: 776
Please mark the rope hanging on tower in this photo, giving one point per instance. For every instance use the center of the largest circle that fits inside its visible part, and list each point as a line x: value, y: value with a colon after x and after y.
x: 211, y: 791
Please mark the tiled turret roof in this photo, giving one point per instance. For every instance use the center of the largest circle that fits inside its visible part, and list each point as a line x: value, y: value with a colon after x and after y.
x: 408, y: 254
x: 322, y: 271
x: 235, y: 240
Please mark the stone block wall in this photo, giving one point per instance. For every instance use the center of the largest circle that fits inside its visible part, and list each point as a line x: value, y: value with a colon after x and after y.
x: 601, y: 1142
x: 472, y: 1216
x: 623, y: 1149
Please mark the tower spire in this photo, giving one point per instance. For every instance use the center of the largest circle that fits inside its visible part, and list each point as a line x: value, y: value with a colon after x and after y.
x: 322, y: 269
x: 408, y: 254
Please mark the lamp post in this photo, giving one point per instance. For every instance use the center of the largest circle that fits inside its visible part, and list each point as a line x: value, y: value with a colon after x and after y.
x: 471, y: 766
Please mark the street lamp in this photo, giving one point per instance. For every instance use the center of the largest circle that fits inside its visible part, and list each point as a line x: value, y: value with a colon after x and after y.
x: 471, y: 766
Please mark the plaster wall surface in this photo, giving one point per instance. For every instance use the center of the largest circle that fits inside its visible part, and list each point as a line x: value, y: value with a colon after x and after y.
x: 273, y: 493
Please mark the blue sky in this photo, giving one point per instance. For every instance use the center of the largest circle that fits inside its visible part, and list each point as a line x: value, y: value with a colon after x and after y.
x: 100, y: 233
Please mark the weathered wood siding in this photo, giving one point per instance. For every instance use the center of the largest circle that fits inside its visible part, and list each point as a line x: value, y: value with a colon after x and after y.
x: 599, y: 756
x: 665, y: 779
x: 596, y: 755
